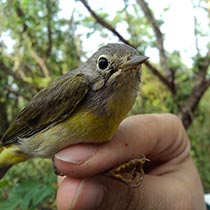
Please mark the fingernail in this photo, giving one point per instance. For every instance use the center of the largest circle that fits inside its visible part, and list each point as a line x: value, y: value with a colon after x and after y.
x: 77, y: 154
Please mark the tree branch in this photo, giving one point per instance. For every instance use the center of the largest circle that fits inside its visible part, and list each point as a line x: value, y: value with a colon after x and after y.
x: 104, y: 23
x: 28, y: 37
x: 203, y: 64
x: 200, y: 86
x: 190, y: 106
x: 20, y: 13
x: 40, y: 62
x: 8, y: 71
x: 49, y: 29
x: 158, y: 34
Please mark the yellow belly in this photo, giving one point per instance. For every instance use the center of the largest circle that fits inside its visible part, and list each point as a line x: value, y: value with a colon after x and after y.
x: 81, y: 127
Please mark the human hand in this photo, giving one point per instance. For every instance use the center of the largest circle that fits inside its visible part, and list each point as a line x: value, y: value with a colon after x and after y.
x: 171, y: 180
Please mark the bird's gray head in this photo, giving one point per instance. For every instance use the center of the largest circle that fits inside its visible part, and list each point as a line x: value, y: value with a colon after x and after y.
x: 113, y: 61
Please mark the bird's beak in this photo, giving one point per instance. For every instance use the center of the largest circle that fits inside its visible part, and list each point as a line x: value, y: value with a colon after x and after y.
x: 133, y: 62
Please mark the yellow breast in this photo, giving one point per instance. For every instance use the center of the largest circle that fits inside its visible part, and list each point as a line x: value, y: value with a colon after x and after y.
x: 82, y: 127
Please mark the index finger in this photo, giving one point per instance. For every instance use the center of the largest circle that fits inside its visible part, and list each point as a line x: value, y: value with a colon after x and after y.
x: 161, y: 137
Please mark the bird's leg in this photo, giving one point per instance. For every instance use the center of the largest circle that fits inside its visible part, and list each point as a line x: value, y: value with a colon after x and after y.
x: 131, y: 173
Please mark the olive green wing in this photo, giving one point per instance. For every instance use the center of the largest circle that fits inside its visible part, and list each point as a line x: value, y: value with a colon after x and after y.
x: 50, y: 106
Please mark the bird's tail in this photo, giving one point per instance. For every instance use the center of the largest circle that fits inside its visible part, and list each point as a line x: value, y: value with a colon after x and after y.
x: 10, y: 155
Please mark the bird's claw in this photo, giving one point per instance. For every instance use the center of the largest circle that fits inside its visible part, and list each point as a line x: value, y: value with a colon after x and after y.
x: 131, y: 173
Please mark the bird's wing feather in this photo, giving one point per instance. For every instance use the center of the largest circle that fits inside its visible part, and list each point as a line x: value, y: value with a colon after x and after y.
x: 48, y: 107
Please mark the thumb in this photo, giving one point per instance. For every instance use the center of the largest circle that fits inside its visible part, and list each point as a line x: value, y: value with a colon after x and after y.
x: 80, y: 194
x: 95, y: 193
x: 103, y: 193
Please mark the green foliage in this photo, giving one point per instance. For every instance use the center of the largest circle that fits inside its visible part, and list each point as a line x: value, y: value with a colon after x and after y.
x: 200, y: 140
x: 154, y: 96
x: 30, y: 185
x: 44, y: 48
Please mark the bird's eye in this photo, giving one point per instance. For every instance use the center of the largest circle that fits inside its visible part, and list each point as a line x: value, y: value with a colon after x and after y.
x: 103, y: 63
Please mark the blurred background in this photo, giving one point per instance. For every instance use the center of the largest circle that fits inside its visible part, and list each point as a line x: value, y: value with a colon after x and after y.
x: 41, y: 40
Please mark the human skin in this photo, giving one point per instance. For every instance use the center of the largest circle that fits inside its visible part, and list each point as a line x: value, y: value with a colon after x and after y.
x: 171, y: 180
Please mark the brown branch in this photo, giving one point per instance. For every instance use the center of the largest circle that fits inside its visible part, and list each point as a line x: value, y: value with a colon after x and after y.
x: 195, y: 29
x: 158, y: 34
x: 203, y: 66
x: 196, y: 34
x: 20, y: 13
x: 27, y: 35
x: 40, y: 62
x: 105, y: 24
x: 8, y: 71
x: 49, y: 29
x: 200, y: 86
x: 190, y: 106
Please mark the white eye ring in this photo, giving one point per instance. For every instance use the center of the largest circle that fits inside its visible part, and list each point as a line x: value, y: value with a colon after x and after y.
x: 103, y: 62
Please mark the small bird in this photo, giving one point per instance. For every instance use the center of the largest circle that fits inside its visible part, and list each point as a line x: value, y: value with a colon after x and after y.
x: 86, y: 105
